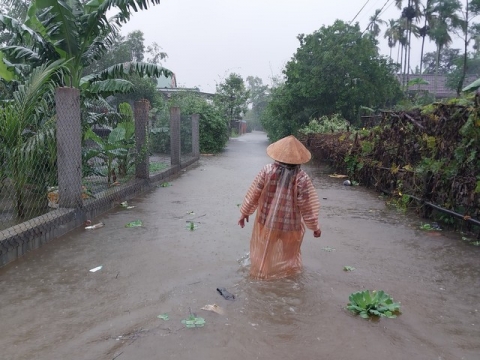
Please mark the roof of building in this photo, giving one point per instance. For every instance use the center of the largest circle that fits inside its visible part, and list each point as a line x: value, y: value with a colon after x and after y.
x: 442, y: 90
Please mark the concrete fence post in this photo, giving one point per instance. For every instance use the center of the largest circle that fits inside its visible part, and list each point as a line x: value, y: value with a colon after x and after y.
x: 175, y: 141
x: 69, y: 147
x: 196, y: 135
x: 141, y: 108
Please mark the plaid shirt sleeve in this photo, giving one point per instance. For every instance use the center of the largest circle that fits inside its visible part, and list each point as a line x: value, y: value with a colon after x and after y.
x: 308, y: 202
x: 250, y: 202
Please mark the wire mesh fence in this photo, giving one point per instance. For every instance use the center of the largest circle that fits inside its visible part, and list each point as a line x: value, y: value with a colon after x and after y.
x: 82, y: 160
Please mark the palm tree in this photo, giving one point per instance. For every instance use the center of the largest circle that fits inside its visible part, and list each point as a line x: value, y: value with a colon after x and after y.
x: 409, y: 13
x: 27, y: 137
x: 423, y: 31
x: 444, y: 19
x: 77, y: 32
x: 375, y: 23
x: 392, y: 35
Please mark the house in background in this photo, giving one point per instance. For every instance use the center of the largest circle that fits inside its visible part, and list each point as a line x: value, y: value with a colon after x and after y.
x: 167, y: 85
x: 442, y: 90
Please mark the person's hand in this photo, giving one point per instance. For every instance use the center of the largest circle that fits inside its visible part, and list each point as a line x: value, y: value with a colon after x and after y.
x: 241, y: 222
x: 317, y: 233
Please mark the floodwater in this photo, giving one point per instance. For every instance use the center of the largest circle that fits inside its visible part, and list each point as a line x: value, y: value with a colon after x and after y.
x: 52, y: 307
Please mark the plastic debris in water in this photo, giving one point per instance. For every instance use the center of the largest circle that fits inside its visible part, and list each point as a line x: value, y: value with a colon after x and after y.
x: 163, y: 317
x: 347, y: 183
x: 244, y: 260
x: 328, y: 249
x: 96, y: 269
x: 215, y: 308
x: 226, y: 295
x: 135, y: 223
x: 96, y: 226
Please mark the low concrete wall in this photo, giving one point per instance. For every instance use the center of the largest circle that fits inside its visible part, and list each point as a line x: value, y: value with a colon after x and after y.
x: 17, y: 240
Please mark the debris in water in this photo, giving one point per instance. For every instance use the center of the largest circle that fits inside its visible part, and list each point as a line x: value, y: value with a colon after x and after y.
x: 245, y: 260
x: 165, y: 184
x: 135, y: 223
x: 193, y: 322
x: 191, y: 226
x: 163, y: 317
x: 338, y: 176
x: 215, y: 308
x: 226, y: 295
x: 347, y: 183
x: 96, y: 269
x: 328, y: 249
x: 96, y: 226
x: 125, y: 205
x: 430, y: 227
x: 348, y: 268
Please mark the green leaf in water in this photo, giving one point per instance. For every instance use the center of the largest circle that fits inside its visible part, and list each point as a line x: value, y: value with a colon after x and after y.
x: 348, y: 268
x: 165, y: 184
x: 163, y: 317
x: 193, y: 322
x: 135, y: 223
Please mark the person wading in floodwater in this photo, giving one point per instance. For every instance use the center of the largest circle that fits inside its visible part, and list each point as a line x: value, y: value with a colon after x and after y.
x: 283, y: 195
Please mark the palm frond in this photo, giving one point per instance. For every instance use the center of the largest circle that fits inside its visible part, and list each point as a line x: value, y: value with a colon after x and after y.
x: 126, y: 69
x: 108, y: 87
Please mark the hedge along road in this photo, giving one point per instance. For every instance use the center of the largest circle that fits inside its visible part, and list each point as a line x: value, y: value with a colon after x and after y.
x: 52, y: 307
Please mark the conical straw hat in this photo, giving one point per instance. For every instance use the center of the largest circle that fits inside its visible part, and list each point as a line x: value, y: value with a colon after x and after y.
x: 289, y: 150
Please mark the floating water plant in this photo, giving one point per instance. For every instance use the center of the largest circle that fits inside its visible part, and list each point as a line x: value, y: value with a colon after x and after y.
x: 193, y: 322
x: 135, y: 223
x: 348, y: 268
x: 163, y: 317
x: 432, y: 227
x: 191, y: 226
x: 373, y: 303
x: 165, y: 184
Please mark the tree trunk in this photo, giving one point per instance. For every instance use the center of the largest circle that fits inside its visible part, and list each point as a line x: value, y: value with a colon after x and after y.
x: 409, y: 52
x: 465, y: 55
x: 436, y: 71
x: 423, y: 45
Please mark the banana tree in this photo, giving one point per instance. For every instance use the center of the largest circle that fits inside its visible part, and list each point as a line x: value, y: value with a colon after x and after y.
x: 77, y: 32
x: 117, y: 149
x: 27, y: 139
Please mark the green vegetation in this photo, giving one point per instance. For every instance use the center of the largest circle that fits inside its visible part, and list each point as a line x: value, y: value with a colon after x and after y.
x: 336, y: 70
x: 373, y: 303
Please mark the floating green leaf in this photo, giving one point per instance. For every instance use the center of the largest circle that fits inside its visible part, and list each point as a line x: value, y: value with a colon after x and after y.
x: 135, y: 223
x: 163, y: 317
x: 191, y: 226
x: 348, y: 268
x: 165, y: 184
x: 377, y: 303
x: 428, y: 227
x: 193, y: 322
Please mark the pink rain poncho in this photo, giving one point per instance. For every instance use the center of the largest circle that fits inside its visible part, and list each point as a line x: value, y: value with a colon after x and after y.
x: 283, y: 195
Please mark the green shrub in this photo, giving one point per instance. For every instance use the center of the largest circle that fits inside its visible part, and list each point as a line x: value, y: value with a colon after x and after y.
x: 333, y: 124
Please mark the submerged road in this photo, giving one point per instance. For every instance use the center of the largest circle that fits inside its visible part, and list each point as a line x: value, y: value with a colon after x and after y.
x: 53, y: 307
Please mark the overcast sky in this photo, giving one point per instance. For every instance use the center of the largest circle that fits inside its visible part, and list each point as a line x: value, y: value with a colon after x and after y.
x: 207, y: 39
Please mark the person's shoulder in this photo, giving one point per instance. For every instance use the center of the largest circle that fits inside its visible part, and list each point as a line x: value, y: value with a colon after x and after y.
x: 303, y: 177
x: 268, y: 168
